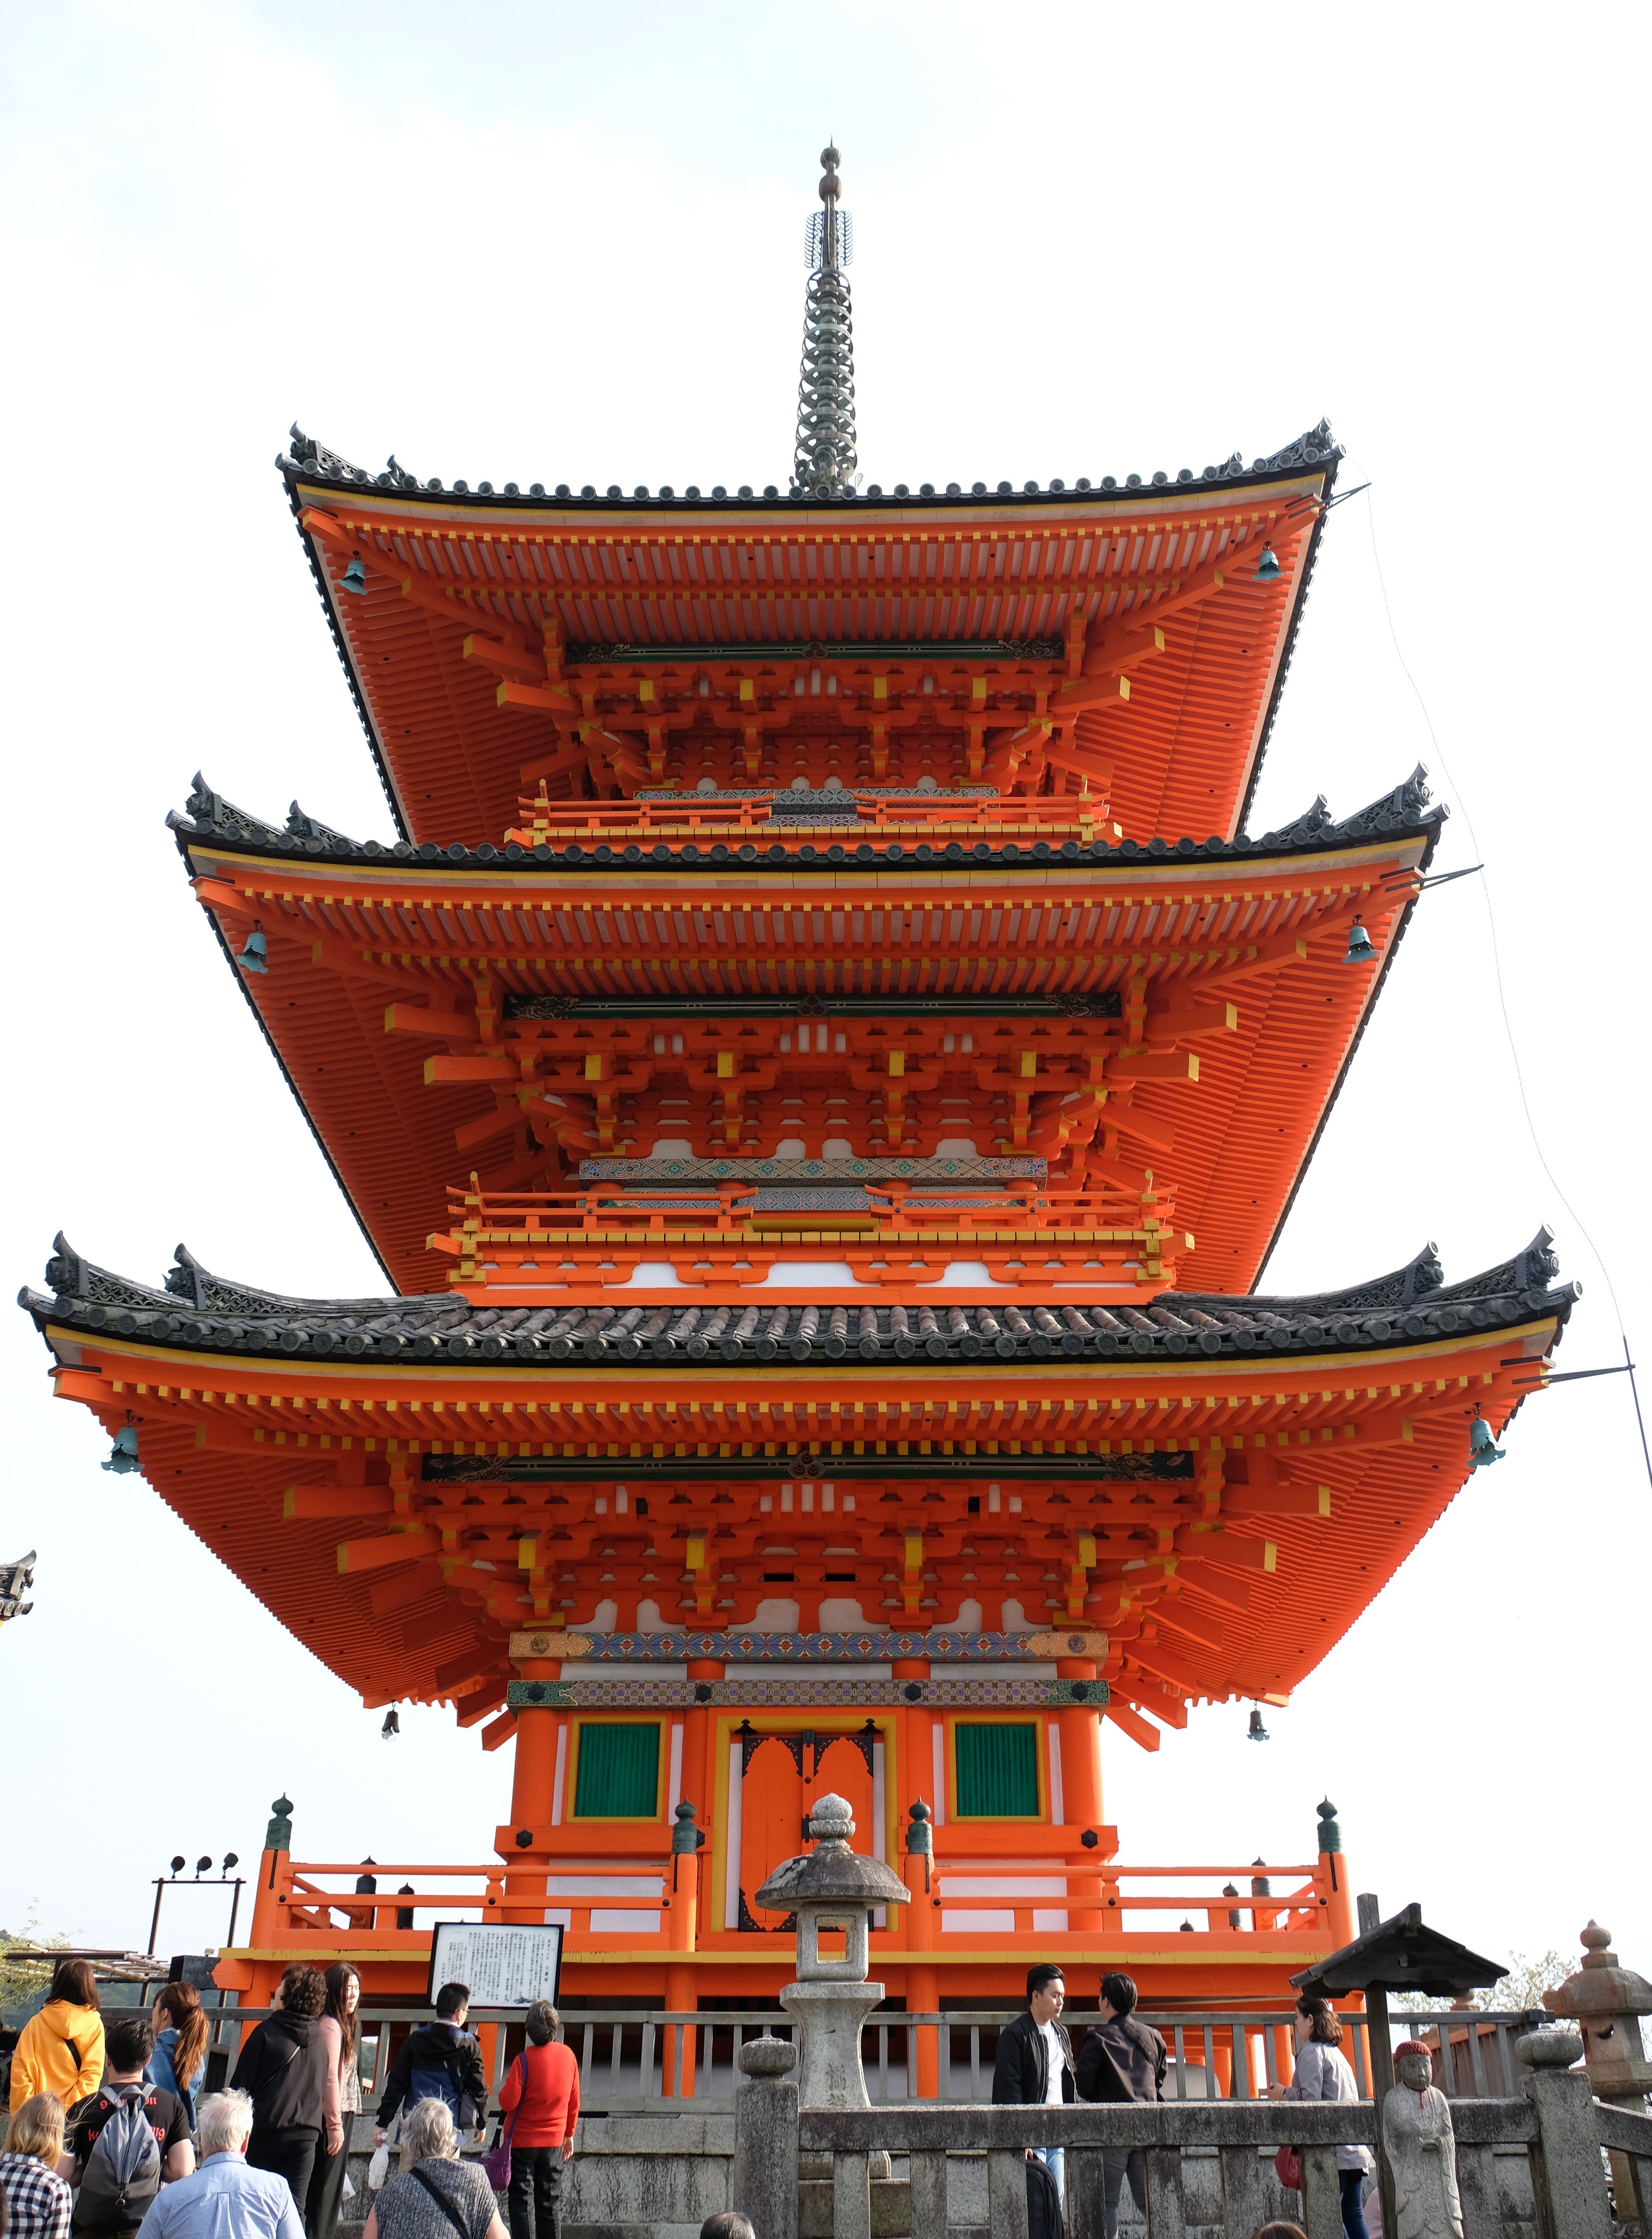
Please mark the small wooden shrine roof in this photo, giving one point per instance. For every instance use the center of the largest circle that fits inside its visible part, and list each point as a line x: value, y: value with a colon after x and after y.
x: 1401, y: 1954
x: 476, y: 601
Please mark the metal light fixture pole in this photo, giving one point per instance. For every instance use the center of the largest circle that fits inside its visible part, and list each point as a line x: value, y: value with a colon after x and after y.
x: 201, y: 1880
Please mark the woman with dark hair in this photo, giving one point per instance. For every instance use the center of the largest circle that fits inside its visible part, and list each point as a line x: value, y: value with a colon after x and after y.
x: 283, y: 2066
x: 540, y: 2100
x: 341, y: 2033
x: 1322, y: 2073
x: 61, y: 2050
x: 180, y: 2056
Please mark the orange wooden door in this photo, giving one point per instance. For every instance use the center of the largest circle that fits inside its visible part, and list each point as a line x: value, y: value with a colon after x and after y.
x: 785, y: 1772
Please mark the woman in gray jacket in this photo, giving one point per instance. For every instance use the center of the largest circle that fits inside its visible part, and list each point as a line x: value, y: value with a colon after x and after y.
x: 1322, y: 2072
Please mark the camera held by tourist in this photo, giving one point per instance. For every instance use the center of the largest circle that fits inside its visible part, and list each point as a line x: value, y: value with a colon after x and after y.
x: 283, y: 2065
x: 437, y: 2196
x: 540, y: 2100
x: 38, y: 2201
x: 61, y: 2048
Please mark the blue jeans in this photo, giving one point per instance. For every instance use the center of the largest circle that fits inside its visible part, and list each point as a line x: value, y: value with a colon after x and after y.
x: 1351, y: 2184
x: 1055, y: 2160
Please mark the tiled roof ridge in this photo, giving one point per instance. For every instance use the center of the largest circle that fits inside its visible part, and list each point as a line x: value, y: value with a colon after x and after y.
x: 306, y: 459
x: 202, y: 1310
x: 1405, y: 808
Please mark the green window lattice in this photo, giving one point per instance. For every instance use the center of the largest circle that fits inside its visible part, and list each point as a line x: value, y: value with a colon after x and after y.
x: 997, y: 1771
x: 618, y: 1774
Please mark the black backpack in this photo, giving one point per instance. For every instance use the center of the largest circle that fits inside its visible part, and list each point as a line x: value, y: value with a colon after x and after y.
x: 1044, y: 2219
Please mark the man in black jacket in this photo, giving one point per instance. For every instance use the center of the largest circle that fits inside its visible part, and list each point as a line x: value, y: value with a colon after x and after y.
x: 1122, y: 2060
x: 440, y: 2060
x: 1034, y: 2065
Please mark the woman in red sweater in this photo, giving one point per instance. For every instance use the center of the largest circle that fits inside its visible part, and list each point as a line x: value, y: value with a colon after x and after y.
x: 542, y: 2091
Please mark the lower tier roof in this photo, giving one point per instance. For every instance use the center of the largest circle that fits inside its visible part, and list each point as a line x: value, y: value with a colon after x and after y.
x: 202, y: 1313
x: 1219, y: 1484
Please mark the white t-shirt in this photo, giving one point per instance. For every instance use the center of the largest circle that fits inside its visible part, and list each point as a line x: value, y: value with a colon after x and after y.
x: 1054, y: 2060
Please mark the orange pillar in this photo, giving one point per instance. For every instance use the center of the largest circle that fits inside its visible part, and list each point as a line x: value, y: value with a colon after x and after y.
x: 532, y: 1780
x: 681, y: 1996
x: 911, y: 1778
x: 1080, y: 1731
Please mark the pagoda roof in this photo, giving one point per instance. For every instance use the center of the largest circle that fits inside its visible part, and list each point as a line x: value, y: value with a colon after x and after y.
x: 490, y: 618
x: 305, y: 460
x: 208, y: 817
x: 404, y: 1482
x: 353, y: 924
x: 196, y: 1310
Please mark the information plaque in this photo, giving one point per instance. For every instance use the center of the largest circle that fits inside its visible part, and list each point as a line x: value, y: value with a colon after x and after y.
x: 505, y: 1963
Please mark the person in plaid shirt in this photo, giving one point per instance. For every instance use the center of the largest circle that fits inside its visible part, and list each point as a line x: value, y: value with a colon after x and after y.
x: 38, y: 2201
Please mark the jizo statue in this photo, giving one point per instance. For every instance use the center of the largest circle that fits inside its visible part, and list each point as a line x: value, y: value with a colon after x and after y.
x: 1421, y: 2147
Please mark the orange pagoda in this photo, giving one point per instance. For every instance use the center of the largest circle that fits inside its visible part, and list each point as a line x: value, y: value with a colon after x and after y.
x: 821, y: 1063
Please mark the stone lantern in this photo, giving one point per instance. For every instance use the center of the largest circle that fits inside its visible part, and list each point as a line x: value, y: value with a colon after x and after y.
x: 1606, y: 2001
x: 832, y: 1887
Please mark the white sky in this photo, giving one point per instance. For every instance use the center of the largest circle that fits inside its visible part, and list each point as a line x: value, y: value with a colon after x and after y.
x: 564, y: 243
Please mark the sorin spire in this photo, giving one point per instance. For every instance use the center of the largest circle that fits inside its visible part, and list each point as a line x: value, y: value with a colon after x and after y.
x: 824, y: 463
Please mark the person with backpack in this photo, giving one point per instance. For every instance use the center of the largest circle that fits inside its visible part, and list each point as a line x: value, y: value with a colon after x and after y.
x: 38, y: 2201
x: 283, y: 2066
x: 441, y: 2060
x: 1034, y: 2068
x: 126, y: 2140
x: 1122, y: 2060
x: 61, y: 2048
x: 541, y: 2098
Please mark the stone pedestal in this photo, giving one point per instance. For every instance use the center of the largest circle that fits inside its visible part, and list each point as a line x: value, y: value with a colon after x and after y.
x: 765, y: 2154
x: 829, y: 2016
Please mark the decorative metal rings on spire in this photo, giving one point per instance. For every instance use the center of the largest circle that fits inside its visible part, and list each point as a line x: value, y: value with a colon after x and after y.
x: 824, y: 464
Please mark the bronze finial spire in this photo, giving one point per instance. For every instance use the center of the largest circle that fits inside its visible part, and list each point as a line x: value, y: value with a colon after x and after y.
x: 824, y: 464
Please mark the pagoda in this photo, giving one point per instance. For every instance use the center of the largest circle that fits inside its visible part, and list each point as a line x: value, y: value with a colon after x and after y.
x: 821, y: 1063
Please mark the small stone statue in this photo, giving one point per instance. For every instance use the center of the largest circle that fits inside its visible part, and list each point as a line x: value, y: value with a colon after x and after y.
x: 1421, y: 2147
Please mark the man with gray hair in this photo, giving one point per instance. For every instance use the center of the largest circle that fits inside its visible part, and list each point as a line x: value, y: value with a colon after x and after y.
x: 224, y: 2199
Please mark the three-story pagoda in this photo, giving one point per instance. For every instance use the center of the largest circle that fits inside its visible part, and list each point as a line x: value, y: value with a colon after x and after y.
x: 820, y: 1063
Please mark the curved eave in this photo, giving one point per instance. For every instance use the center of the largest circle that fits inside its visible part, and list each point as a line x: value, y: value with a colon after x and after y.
x: 392, y: 1629
x: 422, y: 1120
x: 471, y: 513
x: 286, y: 1074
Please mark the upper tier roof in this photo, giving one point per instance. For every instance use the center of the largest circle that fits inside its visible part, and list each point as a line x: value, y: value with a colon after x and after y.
x: 498, y: 633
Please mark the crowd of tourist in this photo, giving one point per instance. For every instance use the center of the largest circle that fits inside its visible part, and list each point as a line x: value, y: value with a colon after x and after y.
x: 111, y: 2136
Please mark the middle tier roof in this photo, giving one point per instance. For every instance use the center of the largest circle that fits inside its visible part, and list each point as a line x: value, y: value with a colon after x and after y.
x: 1074, y: 1063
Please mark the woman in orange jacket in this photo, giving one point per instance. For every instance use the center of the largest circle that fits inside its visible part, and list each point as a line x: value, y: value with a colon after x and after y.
x: 541, y: 2099
x: 61, y: 2048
